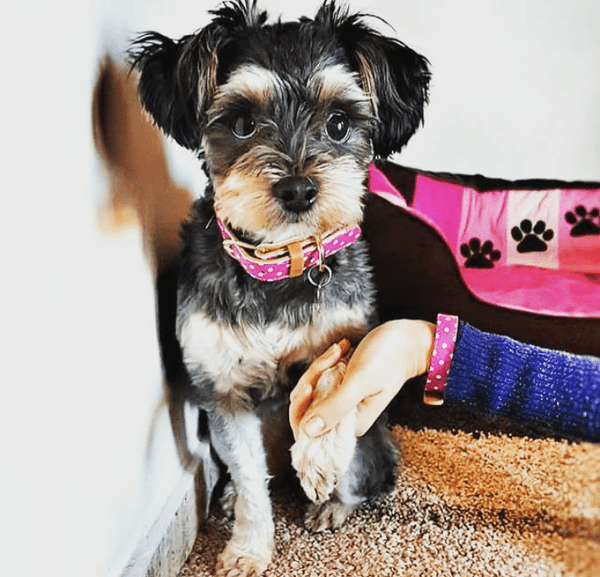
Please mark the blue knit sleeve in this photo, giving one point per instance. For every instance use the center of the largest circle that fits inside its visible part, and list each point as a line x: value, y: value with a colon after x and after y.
x: 499, y: 376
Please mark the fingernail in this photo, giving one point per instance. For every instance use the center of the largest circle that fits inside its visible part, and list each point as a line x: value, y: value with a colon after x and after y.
x: 314, y: 427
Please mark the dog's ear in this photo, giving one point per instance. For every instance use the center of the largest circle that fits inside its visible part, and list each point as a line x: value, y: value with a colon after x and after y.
x: 395, y: 76
x: 178, y: 78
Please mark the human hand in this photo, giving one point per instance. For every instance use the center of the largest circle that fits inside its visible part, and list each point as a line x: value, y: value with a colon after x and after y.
x: 302, y: 394
x: 384, y: 360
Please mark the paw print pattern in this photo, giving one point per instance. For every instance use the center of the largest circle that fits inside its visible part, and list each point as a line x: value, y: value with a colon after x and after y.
x: 583, y: 221
x: 478, y: 255
x: 532, y: 238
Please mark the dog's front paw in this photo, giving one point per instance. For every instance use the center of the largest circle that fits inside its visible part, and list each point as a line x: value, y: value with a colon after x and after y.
x: 330, y: 515
x: 319, y: 464
x: 322, y: 461
x: 233, y: 563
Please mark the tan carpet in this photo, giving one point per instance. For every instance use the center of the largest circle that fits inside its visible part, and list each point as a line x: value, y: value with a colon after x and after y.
x: 473, y: 497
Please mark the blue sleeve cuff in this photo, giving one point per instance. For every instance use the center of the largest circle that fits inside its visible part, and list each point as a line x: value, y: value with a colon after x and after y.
x: 499, y: 376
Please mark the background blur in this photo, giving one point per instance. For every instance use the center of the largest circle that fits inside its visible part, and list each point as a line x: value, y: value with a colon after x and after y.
x: 87, y: 450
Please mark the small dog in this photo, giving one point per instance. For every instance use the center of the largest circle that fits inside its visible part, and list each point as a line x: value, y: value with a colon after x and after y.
x: 286, y: 118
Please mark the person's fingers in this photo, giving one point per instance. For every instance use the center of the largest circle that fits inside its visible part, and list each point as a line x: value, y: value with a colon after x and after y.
x: 329, y: 358
x: 301, y: 395
x: 329, y: 411
x: 298, y: 406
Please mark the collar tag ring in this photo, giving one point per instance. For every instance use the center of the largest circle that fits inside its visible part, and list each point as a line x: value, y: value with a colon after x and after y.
x: 321, y: 283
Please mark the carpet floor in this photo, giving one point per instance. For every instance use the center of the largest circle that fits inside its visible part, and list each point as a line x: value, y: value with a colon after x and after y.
x: 473, y: 497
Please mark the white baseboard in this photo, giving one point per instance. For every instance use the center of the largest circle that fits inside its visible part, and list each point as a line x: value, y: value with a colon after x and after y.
x: 165, y: 548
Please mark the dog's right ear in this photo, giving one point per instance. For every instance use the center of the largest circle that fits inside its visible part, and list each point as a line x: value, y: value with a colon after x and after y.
x: 176, y: 81
x: 178, y: 78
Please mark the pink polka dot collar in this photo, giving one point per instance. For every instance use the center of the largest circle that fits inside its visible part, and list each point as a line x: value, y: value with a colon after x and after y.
x: 287, y: 260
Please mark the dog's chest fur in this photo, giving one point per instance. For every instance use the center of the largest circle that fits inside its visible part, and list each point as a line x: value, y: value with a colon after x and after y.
x: 240, y: 336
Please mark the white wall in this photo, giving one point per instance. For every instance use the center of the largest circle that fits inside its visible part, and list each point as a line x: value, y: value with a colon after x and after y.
x: 87, y: 456
x: 515, y: 89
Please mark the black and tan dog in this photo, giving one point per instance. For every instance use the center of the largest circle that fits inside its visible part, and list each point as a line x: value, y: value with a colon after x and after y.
x: 286, y: 118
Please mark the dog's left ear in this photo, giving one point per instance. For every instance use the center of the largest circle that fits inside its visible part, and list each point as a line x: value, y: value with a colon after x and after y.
x: 395, y: 76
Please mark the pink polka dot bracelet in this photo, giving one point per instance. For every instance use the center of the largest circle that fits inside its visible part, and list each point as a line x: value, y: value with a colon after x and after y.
x: 441, y: 359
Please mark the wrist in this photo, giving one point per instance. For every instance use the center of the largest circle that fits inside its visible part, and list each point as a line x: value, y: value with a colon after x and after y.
x: 413, y: 345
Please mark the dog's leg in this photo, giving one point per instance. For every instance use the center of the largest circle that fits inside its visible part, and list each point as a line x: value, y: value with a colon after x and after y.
x: 322, y: 461
x: 237, y: 438
x: 338, y: 471
x: 372, y: 472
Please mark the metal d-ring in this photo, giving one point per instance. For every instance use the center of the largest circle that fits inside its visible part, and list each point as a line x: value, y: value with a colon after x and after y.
x: 322, y: 282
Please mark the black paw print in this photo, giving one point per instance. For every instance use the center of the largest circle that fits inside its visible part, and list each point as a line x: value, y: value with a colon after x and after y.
x: 479, y: 256
x: 532, y: 238
x: 583, y: 221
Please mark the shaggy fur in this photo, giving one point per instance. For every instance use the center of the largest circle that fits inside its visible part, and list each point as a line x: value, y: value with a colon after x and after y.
x: 286, y: 118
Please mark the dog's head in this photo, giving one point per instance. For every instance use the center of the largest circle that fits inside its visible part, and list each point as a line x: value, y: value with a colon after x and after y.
x: 287, y: 115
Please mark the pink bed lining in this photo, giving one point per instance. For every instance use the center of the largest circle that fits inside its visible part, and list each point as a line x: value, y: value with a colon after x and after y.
x: 536, y: 251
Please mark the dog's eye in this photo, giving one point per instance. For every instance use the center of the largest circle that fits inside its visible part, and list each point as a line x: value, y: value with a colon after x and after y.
x: 337, y: 126
x: 243, y: 125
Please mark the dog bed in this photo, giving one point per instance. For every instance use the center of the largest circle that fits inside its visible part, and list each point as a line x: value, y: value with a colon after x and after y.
x: 520, y: 258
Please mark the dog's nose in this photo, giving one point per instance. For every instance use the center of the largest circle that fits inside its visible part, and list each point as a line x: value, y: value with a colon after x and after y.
x: 297, y: 193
